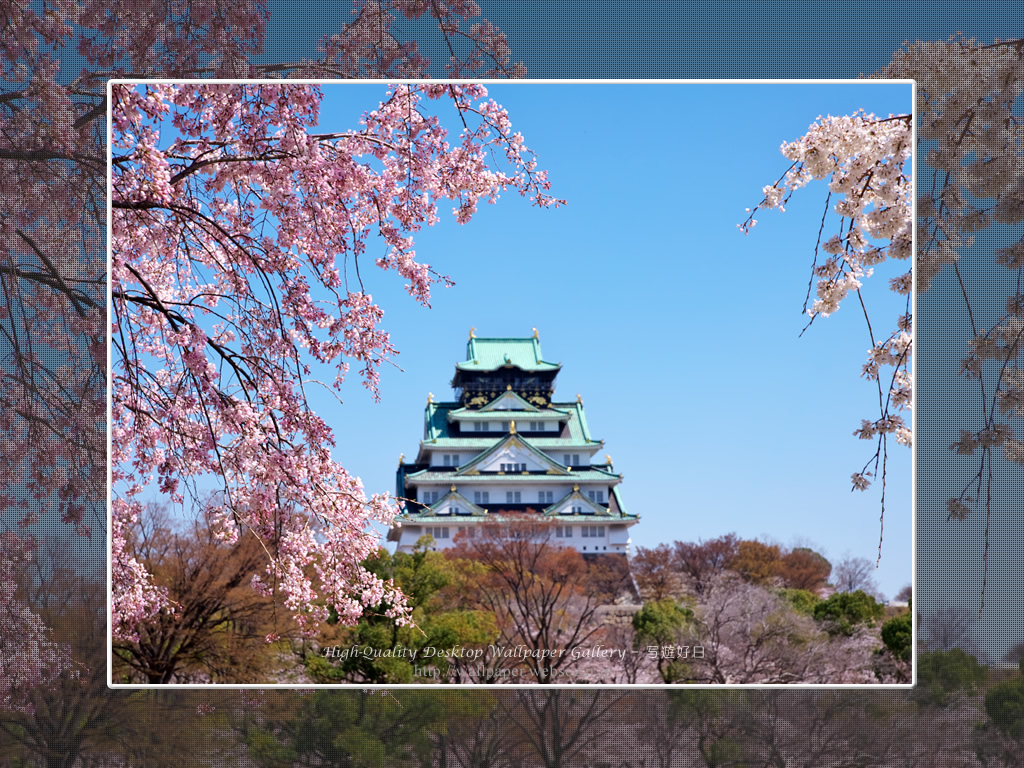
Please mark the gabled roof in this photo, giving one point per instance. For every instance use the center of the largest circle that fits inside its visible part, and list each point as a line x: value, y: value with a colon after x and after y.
x: 509, y: 401
x: 449, y: 499
x: 617, y: 498
x: 489, y: 354
x: 576, y: 496
x: 494, y: 410
x: 515, y: 441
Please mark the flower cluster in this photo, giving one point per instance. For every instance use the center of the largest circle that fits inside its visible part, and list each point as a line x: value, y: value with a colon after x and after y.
x: 968, y: 96
x: 29, y: 657
x: 865, y: 161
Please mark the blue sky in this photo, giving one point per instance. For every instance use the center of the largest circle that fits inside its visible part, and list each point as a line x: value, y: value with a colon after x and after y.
x: 680, y: 333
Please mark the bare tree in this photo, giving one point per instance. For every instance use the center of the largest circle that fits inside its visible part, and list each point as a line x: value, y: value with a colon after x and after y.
x: 749, y: 635
x: 655, y: 572
x: 702, y: 561
x: 948, y: 628
x: 560, y: 726
x: 218, y: 626
x: 853, y: 573
x: 477, y: 737
x: 541, y: 594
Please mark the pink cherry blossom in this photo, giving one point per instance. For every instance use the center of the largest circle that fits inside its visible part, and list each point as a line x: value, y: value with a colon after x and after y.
x: 238, y: 264
x: 866, y: 163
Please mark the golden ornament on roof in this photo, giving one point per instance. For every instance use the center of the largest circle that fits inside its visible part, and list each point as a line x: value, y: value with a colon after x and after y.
x: 535, y: 332
x: 453, y: 488
x: 472, y: 333
x: 512, y: 427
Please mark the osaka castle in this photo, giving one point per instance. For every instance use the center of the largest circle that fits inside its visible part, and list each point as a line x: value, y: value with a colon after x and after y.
x: 505, y: 448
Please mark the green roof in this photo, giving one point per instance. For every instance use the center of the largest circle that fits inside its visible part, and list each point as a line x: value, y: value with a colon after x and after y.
x: 483, y: 443
x: 618, y: 501
x: 436, y: 427
x: 440, y: 476
x: 490, y: 354
x: 490, y: 411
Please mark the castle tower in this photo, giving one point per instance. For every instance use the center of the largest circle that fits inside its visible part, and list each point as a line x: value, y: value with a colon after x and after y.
x: 506, y: 448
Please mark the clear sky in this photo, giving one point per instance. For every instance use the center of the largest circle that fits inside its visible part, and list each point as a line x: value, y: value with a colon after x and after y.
x: 680, y: 333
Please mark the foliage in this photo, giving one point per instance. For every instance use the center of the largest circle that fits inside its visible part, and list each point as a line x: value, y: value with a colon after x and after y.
x: 663, y: 623
x: 425, y: 649
x: 351, y: 728
x: 702, y: 561
x: 748, y: 634
x: 1004, y: 705
x: 898, y: 636
x: 654, y: 572
x: 942, y: 675
x: 58, y: 57
x: 29, y: 655
x: 843, y: 611
x: 543, y: 596
x: 72, y: 719
x: 801, y: 599
x: 803, y: 568
x: 757, y: 562
x: 219, y: 627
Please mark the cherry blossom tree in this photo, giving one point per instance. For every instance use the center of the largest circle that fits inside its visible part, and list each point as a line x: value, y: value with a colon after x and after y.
x: 58, y: 56
x: 866, y: 162
x: 968, y: 106
x: 30, y: 657
x: 240, y: 240
x: 969, y: 182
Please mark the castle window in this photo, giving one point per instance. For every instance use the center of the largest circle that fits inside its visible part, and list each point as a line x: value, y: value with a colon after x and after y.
x: 481, y: 497
x: 546, y: 497
x: 513, y: 497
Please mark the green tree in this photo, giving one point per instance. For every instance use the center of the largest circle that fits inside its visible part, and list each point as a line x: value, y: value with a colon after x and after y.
x: 802, y: 600
x: 345, y: 729
x: 660, y: 623
x: 1004, y: 705
x: 897, y: 634
x: 377, y: 650
x: 843, y: 611
x: 941, y: 675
